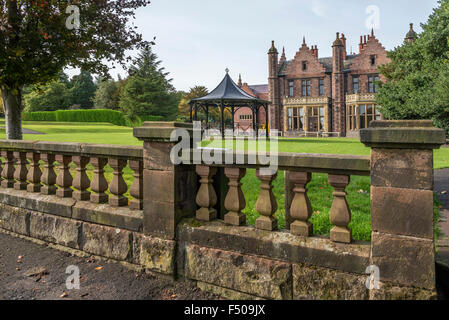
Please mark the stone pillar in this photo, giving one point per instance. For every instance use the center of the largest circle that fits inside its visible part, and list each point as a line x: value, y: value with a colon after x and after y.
x: 235, y: 199
x: 266, y: 203
x: 136, y: 190
x: 34, y: 173
x: 8, y: 170
x: 402, y: 245
x: 300, y: 208
x: 206, y: 197
x: 64, y: 179
x: 99, y: 184
x: 21, y: 172
x: 169, y: 190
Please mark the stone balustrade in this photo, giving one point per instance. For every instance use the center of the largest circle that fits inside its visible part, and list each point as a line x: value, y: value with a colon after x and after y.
x: 187, y: 219
x: 45, y: 168
x: 298, y: 170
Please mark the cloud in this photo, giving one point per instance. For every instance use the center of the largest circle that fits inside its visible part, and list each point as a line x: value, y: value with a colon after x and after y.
x: 318, y: 8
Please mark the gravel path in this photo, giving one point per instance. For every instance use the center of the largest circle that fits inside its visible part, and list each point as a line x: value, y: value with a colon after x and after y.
x: 30, y: 271
x: 27, y: 131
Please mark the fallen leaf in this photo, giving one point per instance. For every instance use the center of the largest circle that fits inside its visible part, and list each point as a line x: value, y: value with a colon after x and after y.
x: 98, y: 268
x: 443, y: 192
x: 64, y: 295
x: 36, y: 272
x: 84, y: 295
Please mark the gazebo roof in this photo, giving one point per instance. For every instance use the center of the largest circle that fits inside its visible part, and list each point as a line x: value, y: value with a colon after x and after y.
x: 228, y: 91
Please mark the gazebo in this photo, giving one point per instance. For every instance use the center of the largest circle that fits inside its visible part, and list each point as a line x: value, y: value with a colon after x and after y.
x: 229, y: 96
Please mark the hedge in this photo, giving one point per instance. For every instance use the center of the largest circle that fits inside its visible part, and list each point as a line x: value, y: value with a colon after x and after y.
x: 93, y: 115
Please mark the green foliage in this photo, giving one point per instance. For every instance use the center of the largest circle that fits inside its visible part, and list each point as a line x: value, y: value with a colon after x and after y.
x: 39, y: 116
x: 83, y: 90
x: 97, y: 115
x: 418, y: 75
x: 148, y: 91
x: 53, y: 96
x: 106, y: 96
x: 38, y: 39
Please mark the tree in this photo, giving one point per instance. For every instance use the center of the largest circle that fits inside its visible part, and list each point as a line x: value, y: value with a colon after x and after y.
x: 195, y: 92
x: 38, y: 39
x: 53, y: 96
x: 83, y: 90
x: 147, y: 90
x: 418, y: 75
x: 106, y: 96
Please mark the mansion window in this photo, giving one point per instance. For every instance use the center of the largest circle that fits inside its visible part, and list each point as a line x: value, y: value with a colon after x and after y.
x: 295, y: 119
x: 304, y: 66
x: 246, y: 117
x: 360, y: 116
x: 321, y: 87
x: 291, y: 88
x: 372, y: 86
x: 306, y: 88
x: 355, y: 84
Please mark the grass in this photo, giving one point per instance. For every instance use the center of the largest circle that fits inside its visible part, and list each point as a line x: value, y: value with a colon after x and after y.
x: 320, y: 192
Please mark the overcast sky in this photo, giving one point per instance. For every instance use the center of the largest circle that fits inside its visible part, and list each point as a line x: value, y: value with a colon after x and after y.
x: 198, y: 39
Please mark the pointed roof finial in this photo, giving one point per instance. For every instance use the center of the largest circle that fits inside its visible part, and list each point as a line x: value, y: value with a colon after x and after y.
x: 372, y: 32
x: 338, y: 41
x: 411, y: 35
x: 227, y: 70
x: 240, y: 80
x: 304, y: 41
x: 273, y: 49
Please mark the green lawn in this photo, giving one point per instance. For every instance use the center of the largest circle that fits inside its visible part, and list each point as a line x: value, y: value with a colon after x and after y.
x: 320, y: 192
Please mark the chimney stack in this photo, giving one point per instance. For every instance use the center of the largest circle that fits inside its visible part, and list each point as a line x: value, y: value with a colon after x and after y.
x: 361, y: 44
x: 343, y: 39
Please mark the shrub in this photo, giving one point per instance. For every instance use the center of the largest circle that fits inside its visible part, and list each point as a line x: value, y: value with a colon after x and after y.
x: 95, y: 115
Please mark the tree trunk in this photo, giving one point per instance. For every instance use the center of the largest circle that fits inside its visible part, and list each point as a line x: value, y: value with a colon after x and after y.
x: 12, y: 104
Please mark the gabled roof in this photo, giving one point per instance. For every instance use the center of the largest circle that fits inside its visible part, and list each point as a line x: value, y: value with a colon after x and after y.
x: 228, y: 90
x: 326, y: 62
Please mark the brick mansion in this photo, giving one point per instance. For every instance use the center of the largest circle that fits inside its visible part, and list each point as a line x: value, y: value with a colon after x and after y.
x: 331, y: 95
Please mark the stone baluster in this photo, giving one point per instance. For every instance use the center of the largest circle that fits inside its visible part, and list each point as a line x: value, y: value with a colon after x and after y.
x: 99, y: 184
x: 21, y: 171
x: 340, y: 214
x: 48, y: 178
x: 266, y: 203
x: 34, y: 173
x: 81, y: 181
x: 235, y: 199
x: 206, y: 197
x: 136, y: 189
x: 8, y: 170
x: 118, y: 185
x: 301, y: 208
x: 64, y: 179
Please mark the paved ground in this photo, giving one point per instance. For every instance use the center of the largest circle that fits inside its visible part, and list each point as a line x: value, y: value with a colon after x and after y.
x: 30, y: 271
x: 27, y: 131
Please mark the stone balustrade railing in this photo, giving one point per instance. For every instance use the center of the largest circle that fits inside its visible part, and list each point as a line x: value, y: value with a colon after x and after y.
x: 21, y: 170
x: 298, y: 174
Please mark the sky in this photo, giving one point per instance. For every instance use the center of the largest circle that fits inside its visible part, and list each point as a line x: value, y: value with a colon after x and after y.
x: 198, y: 39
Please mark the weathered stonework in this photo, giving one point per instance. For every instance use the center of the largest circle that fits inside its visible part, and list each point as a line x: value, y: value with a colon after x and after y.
x: 62, y: 231
x: 396, y: 168
x: 314, y: 283
x: 155, y: 254
x: 402, y: 211
x: 107, y: 242
x: 251, y: 275
x: 225, y: 292
x: 405, y: 260
x: 389, y: 291
x: 14, y: 219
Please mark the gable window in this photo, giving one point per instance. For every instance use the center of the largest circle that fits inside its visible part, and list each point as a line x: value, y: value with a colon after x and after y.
x: 372, y: 86
x: 321, y: 87
x: 373, y: 60
x: 355, y: 84
x: 291, y: 88
x: 304, y: 66
x: 306, y: 88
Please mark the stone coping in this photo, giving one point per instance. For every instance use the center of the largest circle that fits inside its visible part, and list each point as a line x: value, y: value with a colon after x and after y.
x: 160, y: 131
x: 279, y: 245
x: 321, y: 163
x: 402, y: 135
x: 103, y: 214
x: 83, y: 149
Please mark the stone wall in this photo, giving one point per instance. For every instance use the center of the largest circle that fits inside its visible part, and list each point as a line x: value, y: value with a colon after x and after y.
x: 170, y: 237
